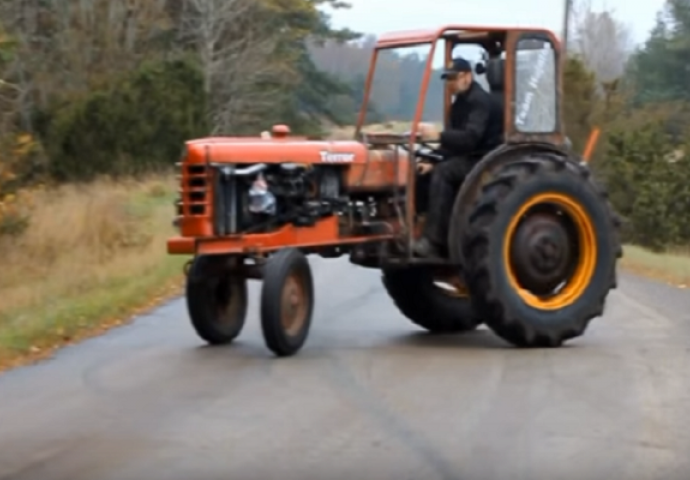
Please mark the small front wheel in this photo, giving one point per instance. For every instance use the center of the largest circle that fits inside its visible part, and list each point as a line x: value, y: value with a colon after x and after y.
x: 287, y: 302
x: 216, y: 301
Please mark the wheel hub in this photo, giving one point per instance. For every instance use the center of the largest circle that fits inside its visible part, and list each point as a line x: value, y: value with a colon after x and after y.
x: 292, y: 301
x: 226, y: 305
x: 541, y: 253
x: 292, y: 304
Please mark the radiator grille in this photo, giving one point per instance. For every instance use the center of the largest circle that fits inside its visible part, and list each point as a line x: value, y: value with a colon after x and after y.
x: 194, y: 192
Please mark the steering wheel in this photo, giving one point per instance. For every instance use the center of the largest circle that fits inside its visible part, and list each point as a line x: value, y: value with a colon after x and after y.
x: 425, y: 150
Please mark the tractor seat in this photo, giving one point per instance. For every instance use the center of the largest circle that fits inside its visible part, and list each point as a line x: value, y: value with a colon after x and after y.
x: 494, y: 71
x: 495, y: 77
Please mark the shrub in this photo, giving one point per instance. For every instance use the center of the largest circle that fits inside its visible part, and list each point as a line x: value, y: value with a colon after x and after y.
x: 138, y: 124
x: 647, y: 176
x: 15, y: 202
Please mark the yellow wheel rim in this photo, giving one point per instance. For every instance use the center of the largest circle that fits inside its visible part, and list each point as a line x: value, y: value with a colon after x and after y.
x: 578, y: 282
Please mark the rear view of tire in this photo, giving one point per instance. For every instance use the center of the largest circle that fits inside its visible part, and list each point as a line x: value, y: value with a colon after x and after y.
x: 434, y: 307
x: 216, y: 302
x: 541, y: 252
x: 287, y: 302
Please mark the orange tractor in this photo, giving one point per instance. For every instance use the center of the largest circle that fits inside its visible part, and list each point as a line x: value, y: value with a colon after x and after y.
x: 533, y: 241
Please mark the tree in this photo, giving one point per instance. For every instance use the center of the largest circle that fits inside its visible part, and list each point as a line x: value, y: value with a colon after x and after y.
x: 581, y: 100
x: 602, y: 42
x: 305, y: 96
x: 256, y: 62
x: 137, y: 125
x: 658, y: 70
x: 81, y: 73
x: 10, y: 93
x: 233, y: 49
x: 397, y: 79
x: 66, y: 48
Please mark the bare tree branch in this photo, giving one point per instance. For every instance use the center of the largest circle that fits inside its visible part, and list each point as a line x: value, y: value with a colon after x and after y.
x: 603, y: 42
x: 71, y: 46
x: 233, y: 48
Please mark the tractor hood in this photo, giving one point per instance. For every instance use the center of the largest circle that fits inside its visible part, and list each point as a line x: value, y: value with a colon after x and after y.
x: 274, y: 150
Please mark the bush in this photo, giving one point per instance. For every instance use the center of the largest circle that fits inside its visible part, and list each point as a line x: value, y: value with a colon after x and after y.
x: 647, y: 176
x: 15, y: 170
x: 14, y: 216
x: 138, y: 124
x: 579, y: 109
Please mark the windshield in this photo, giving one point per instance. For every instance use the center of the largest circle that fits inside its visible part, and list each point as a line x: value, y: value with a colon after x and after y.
x: 535, y: 86
x: 395, y: 89
x: 397, y: 82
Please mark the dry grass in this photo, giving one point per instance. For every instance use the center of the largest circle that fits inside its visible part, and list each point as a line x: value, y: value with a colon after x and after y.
x: 346, y: 133
x: 91, y: 255
x: 672, y: 267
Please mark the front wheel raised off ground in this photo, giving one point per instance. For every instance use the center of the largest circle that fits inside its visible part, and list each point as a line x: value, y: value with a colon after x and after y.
x: 541, y: 250
x: 216, y: 301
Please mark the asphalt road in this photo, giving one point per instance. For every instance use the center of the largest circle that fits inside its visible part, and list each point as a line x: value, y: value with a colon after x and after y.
x: 369, y: 397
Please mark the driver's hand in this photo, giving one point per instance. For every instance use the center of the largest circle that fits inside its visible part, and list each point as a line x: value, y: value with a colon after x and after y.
x: 428, y: 132
x: 424, y: 167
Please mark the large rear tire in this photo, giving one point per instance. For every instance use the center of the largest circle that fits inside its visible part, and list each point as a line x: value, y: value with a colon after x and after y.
x: 216, y: 301
x: 436, y: 308
x: 541, y: 251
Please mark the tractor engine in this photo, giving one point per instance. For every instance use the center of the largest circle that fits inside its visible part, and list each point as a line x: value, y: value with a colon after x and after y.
x: 230, y: 186
x: 262, y: 197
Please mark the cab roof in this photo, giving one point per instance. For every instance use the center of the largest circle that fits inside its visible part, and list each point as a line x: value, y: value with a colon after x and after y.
x: 407, y: 38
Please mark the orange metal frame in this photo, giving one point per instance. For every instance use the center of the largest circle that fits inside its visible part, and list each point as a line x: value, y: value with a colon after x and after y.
x: 323, y: 234
x: 327, y: 232
x: 455, y: 34
x: 465, y: 34
x: 591, y: 143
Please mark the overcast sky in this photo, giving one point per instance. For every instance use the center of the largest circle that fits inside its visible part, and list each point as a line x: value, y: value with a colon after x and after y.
x: 378, y: 16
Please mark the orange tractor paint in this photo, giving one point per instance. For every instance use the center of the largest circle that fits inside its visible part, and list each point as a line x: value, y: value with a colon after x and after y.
x: 529, y: 222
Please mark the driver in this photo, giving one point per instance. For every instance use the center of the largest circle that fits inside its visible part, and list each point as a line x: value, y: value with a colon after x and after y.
x: 476, y: 127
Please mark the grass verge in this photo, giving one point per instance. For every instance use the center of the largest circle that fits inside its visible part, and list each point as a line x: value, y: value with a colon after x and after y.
x: 671, y: 267
x: 92, y: 257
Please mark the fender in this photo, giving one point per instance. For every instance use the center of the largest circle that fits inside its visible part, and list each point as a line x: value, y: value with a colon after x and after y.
x: 484, y: 169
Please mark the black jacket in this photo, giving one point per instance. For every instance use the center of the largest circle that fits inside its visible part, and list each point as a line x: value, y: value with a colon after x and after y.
x: 476, y: 123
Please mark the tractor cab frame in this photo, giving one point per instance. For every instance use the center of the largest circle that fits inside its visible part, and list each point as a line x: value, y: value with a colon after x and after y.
x: 504, y: 48
x: 524, y: 72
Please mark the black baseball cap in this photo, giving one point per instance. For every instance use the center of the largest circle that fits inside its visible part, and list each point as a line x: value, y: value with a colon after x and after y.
x: 457, y: 65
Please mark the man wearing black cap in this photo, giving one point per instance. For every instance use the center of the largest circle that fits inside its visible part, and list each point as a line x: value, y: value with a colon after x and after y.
x: 476, y: 127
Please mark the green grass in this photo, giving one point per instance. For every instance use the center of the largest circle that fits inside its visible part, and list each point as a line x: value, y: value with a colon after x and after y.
x: 671, y: 267
x: 105, y: 304
x: 90, y: 260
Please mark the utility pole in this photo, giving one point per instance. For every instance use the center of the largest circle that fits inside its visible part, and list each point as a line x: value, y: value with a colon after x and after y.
x: 567, y: 7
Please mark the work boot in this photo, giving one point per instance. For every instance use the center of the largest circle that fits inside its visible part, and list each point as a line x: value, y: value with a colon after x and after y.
x: 423, y: 247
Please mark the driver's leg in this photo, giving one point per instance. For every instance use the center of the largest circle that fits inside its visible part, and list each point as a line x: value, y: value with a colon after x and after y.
x: 446, y: 177
x: 421, y: 195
